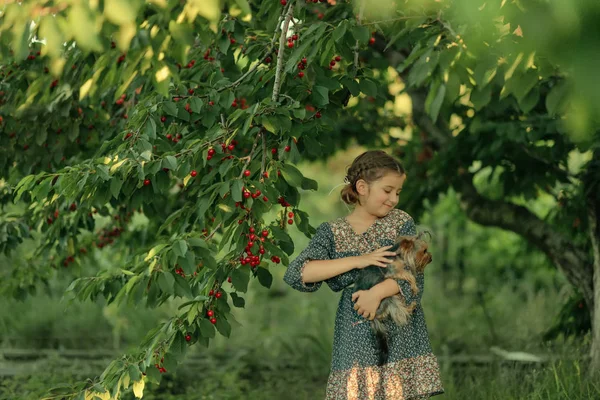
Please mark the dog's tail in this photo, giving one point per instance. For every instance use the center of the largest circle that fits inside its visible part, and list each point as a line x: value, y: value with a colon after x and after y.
x: 380, y: 332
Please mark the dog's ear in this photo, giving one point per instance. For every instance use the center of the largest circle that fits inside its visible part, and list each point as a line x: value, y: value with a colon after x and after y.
x: 406, y: 244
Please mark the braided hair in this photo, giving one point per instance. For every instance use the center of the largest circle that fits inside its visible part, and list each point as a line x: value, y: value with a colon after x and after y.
x: 369, y: 166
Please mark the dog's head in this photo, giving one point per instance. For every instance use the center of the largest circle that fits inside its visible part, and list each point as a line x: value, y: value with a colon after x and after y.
x: 413, y: 251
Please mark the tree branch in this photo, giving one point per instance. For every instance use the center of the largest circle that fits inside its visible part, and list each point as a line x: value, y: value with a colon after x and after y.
x: 279, y: 68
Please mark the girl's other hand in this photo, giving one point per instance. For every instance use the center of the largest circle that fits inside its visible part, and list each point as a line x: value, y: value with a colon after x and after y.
x: 367, y: 303
x: 379, y: 257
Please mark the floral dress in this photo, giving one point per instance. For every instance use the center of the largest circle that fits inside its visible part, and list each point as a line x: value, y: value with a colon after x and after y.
x: 412, y: 370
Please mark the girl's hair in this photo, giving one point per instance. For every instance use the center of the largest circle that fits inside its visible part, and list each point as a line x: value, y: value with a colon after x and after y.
x: 369, y: 166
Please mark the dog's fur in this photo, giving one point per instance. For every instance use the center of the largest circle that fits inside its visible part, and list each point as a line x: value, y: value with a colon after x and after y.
x: 411, y: 259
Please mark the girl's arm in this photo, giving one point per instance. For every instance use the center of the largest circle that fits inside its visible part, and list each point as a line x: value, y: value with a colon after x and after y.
x: 387, y: 288
x: 319, y: 270
x: 319, y: 248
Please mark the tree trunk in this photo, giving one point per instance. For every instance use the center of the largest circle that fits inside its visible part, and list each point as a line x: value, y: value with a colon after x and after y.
x: 593, y: 202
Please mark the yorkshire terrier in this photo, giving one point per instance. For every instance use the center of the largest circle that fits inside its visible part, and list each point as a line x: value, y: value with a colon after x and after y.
x: 411, y: 259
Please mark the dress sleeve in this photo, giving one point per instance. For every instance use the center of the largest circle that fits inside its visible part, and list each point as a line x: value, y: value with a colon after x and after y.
x: 339, y: 282
x: 319, y: 248
x: 409, y: 229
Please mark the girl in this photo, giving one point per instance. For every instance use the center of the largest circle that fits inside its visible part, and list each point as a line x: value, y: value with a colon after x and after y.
x: 334, y: 255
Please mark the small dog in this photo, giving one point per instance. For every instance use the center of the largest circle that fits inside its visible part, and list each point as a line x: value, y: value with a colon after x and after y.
x: 411, y: 259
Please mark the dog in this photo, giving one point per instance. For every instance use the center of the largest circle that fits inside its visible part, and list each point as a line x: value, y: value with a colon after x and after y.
x: 411, y: 259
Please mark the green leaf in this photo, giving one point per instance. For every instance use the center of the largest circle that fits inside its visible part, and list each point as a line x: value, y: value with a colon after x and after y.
x: 196, y: 105
x: 182, y: 287
x: 480, y: 98
x: 320, y: 95
x: 170, y: 108
x: 180, y: 248
x: 368, y: 87
x: 238, y: 301
x: 81, y: 22
x: 115, y: 187
x: 292, y: 175
x: 120, y: 12
x: 340, y: 30
x: 236, y: 190
x: 520, y: 85
x: 352, y: 85
x: 207, y: 329
x: 309, y: 184
x: 223, y: 327
x: 529, y: 102
x: 434, y: 100
x: 240, y: 279
x: 166, y: 282
x: 170, y: 162
x: 244, y: 6
x: 361, y: 33
x: 151, y: 128
x: 197, y: 242
x: 224, y: 189
x: 557, y: 98
x: 264, y: 277
x: 134, y: 373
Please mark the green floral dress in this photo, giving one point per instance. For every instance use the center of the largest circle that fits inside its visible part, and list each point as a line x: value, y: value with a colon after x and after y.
x: 412, y: 370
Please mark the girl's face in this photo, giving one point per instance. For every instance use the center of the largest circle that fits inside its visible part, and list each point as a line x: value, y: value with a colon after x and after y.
x: 382, y: 195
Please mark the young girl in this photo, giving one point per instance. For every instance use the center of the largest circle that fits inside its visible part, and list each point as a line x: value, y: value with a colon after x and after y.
x: 336, y: 253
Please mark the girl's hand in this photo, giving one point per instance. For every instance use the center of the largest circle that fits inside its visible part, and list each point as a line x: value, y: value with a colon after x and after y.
x: 367, y: 303
x: 379, y: 257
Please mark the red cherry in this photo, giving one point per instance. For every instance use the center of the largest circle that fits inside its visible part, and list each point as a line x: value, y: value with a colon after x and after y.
x: 290, y: 44
x: 213, y: 320
x: 188, y: 337
x: 210, y: 313
x: 211, y: 292
x: 163, y: 118
x: 265, y: 198
x: 266, y: 174
x: 211, y: 103
x: 230, y: 147
x: 283, y: 2
x: 265, y: 233
x: 318, y: 114
x: 300, y: 74
x: 287, y: 148
x: 268, y: 60
x: 146, y: 182
x: 332, y: 63
x: 372, y: 40
x: 290, y: 221
x: 294, y: 37
x: 273, y: 151
x: 218, y: 295
x: 291, y: 214
x: 247, y: 173
x: 338, y: 58
x: 211, y: 152
x: 232, y: 40
x: 304, y: 60
x: 193, y: 173
x: 246, y: 195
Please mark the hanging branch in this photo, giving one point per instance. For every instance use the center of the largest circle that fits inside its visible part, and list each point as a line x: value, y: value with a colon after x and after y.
x: 279, y: 68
